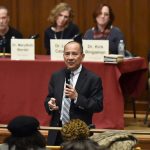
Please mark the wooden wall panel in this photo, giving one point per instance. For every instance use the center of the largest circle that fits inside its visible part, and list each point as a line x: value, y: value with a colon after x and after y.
x: 122, y: 18
x: 42, y: 10
x: 11, y: 5
x: 140, y: 26
x: 132, y: 16
x: 26, y: 16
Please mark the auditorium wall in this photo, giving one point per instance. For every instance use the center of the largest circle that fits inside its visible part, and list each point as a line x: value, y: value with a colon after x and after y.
x: 132, y: 16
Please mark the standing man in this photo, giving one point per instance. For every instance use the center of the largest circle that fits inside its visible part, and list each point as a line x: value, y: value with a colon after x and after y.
x: 6, y: 32
x: 84, y: 93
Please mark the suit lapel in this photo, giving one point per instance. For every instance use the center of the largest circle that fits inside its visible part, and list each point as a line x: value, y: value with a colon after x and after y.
x: 61, y: 82
x: 81, y: 79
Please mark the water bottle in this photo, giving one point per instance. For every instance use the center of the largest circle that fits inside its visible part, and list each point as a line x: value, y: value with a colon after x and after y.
x: 121, y: 48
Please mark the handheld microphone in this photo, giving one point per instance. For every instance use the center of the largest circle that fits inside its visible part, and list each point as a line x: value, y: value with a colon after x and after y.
x: 35, y: 36
x: 67, y: 73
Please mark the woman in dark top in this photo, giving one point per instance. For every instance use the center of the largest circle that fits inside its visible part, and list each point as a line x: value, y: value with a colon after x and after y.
x: 61, y: 26
x: 103, y: 30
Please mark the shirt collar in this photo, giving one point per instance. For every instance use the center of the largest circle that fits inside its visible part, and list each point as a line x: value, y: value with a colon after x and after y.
x: 77, y: 70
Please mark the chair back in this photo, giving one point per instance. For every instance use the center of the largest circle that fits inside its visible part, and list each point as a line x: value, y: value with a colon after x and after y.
x: 53, y: 147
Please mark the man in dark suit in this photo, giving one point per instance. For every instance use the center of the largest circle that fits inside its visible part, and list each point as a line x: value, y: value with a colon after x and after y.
x: 85, y: 93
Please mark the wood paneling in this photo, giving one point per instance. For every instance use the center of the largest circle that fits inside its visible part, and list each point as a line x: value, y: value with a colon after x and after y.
x: 132, y: 16
x: 140, y: 26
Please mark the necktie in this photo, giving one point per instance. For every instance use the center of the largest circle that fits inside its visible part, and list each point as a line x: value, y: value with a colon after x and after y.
x: 66, y: 105
x: 65, y: 110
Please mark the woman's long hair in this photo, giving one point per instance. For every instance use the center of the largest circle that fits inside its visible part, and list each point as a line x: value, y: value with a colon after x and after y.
x: 54, y: 13
x: 35, y: 141
x: 98, y: 10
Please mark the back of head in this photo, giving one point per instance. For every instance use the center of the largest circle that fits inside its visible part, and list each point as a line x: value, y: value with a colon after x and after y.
x: 86, y: 144
x: 23, y: 126
x: 25, y: 134
x: 75, y: 129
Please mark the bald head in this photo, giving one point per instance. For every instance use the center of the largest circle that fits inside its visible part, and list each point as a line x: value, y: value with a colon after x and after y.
x: 4, y: 19
x: 71, y: 42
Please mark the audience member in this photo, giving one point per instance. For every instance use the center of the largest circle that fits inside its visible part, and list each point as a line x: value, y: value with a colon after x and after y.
x: 84, y: 144
x: 61, y: 25
x: 115, y: 140
x: 78, y: 100
x: 6, y: 31
x: 104, y: 30
x: 75, y: 129
x: 24, y: 135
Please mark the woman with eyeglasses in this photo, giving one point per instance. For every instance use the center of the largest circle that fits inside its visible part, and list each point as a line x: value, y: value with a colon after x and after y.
x: 104, y: 30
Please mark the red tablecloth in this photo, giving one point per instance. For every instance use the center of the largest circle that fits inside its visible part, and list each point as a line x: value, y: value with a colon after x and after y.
x: 24, y: 86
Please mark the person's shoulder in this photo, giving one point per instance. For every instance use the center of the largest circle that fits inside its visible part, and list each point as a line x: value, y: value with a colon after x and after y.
x: 48, y: 29
x: 15, y: 32
x: 89, y: 33
x: 90, y: 73
x: 115, y: 29
x: 58, y: 72
x: 73, y: 26
x: 90, y: 30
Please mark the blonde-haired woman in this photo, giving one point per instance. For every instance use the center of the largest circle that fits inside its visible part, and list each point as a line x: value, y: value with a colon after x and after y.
x: 61, y: 25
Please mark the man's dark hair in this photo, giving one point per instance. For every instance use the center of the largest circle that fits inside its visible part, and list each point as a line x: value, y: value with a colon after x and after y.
x: 81, y: 47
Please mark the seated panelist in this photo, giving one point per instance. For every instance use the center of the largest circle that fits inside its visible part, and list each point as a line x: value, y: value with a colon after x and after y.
x: 6, y: 31
x: 104, y: 30
x: 61, y: 25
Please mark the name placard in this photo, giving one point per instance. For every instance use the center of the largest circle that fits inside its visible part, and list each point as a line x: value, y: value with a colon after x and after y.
x: 95, y: 50
x: 57, y: 48
x: 22, y: 49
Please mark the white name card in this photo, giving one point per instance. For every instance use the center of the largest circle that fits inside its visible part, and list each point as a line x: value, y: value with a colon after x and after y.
x: 22, y: 49
x: 57, y: 48
x: 95, y: 50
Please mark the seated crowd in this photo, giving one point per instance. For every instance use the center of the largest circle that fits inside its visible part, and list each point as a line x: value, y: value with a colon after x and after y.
x: 76, y: 136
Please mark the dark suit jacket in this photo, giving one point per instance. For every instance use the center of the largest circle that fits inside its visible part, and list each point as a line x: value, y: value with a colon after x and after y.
x: 90, y: 97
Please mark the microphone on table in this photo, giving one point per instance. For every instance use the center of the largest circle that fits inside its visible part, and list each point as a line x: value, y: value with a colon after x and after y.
x: 77, y: 35
x: 35, y: 36
x: 78, y: 38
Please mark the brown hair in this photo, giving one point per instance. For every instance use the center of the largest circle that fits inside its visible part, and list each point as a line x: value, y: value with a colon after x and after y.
x: 98, y: 10
x: 54, y: 13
